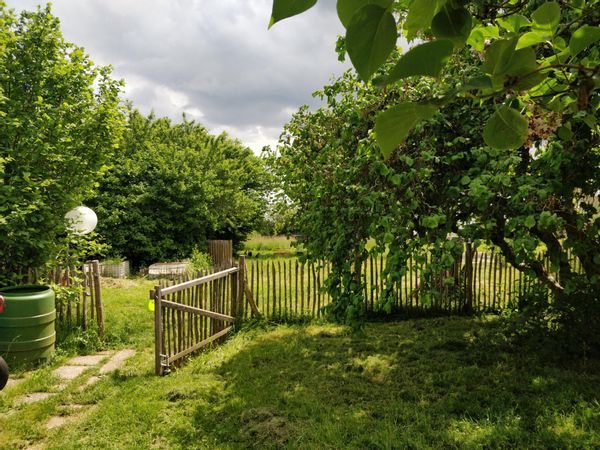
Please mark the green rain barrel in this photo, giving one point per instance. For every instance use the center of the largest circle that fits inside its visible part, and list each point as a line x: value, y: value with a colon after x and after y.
x: 27, y: 324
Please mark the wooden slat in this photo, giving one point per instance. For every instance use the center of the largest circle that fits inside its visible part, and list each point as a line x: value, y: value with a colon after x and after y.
x: 296, y: 291
x: 206, y: 279
x: 302, y: 289
x: 203, y: 312
x: 279, y: 286
x: 274, y: 287
x: 285, y: 286
x: 199, y: 345
x: 99, y: 305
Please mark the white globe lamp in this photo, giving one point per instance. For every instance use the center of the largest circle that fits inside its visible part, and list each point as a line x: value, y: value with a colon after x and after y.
x: 82, y: 220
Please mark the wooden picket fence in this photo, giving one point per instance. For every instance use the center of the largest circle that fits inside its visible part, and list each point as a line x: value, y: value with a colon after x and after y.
x: 85, y: 307
x: 288, y: 288
x: 195, y: 310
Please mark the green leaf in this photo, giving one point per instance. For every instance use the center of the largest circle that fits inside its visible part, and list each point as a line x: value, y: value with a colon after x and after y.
x: 347, y: 8
x: 498, y: 56
x: 547, y: 16
x: 583, y: 37
x: 431, y: 221
x: 419, y: 16
x: 501, y: 59
x: 564, y: 133
x: 530, y: 81
x: 426, y: 59
x: 480, y: 34
x: 479, y: 82
x: 393, y: 125
x: 282, y: 9
x: 521, y: 62
x: 529, y: 222
x: 506, y: 129
x: 533, y: 38
x: 452, y: 23
x: 548, y: 220
x: 514, y: 22
x: 370, y: 38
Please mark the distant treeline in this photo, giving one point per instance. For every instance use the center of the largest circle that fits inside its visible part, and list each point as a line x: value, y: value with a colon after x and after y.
x: 170, y: 187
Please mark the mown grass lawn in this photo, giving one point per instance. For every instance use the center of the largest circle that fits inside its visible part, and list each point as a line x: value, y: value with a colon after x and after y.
x: 429, y: 383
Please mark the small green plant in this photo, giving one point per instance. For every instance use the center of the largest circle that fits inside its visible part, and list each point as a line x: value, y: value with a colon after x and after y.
x: 200, y: 260
x: 114, y: 260
x: 77, y: 341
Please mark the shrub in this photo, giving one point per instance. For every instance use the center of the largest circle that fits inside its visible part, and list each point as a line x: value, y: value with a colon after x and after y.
x: 200, y: 260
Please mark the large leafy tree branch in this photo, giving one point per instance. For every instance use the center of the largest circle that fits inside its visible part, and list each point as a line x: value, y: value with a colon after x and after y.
x: 540, y: 52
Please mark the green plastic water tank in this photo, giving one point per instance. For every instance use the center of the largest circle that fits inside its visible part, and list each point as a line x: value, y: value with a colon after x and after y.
x: 27, y: 331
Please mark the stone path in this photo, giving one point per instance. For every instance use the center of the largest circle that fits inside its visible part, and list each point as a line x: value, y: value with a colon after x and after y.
x: 98, y: 365
x: 116, y: 361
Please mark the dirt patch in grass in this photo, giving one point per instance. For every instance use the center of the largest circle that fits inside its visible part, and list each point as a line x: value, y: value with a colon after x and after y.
x: 264, y: 428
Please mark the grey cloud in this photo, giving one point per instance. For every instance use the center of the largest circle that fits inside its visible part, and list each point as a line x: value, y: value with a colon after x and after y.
x: 211, y: 57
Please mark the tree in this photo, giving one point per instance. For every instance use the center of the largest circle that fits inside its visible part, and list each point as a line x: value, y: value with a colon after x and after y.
x: 59, y: 121
x: 173, y: 186
x: 488, y: 129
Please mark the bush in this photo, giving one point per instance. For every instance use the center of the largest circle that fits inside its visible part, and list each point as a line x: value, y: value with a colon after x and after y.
x: 200, y: 260
x: 566, y: 325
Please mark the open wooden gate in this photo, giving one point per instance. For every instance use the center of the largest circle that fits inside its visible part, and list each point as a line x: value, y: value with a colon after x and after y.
x: 190, y: 315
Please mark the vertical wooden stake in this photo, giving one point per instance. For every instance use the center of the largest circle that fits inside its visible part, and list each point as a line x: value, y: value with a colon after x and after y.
x: 469, y: 278
x: 98, y: 291
x: 158, y: 331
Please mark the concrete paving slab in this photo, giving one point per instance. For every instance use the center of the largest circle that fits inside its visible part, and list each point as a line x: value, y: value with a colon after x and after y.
x: 116, y: 361
x: 12, y: 382
x: 89, y: 360
x: 80, y: 411
x: 69, y: 372
x: 57, y: 421
x: 33, y: 397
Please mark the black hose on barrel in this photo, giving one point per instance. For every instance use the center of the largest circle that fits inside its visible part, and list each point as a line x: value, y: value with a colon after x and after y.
x: 3, y: 373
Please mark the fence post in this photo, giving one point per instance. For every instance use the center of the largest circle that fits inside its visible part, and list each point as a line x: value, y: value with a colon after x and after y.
x: 221, y: 252
x: 469, y: 278
x: 241, y: 306
x: 235, y: 286
x: 85, y: 270
x: 158, y: 334
x: 98, y: 292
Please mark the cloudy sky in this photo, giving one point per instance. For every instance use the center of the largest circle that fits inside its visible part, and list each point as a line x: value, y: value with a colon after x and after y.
x: 213, y: 59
